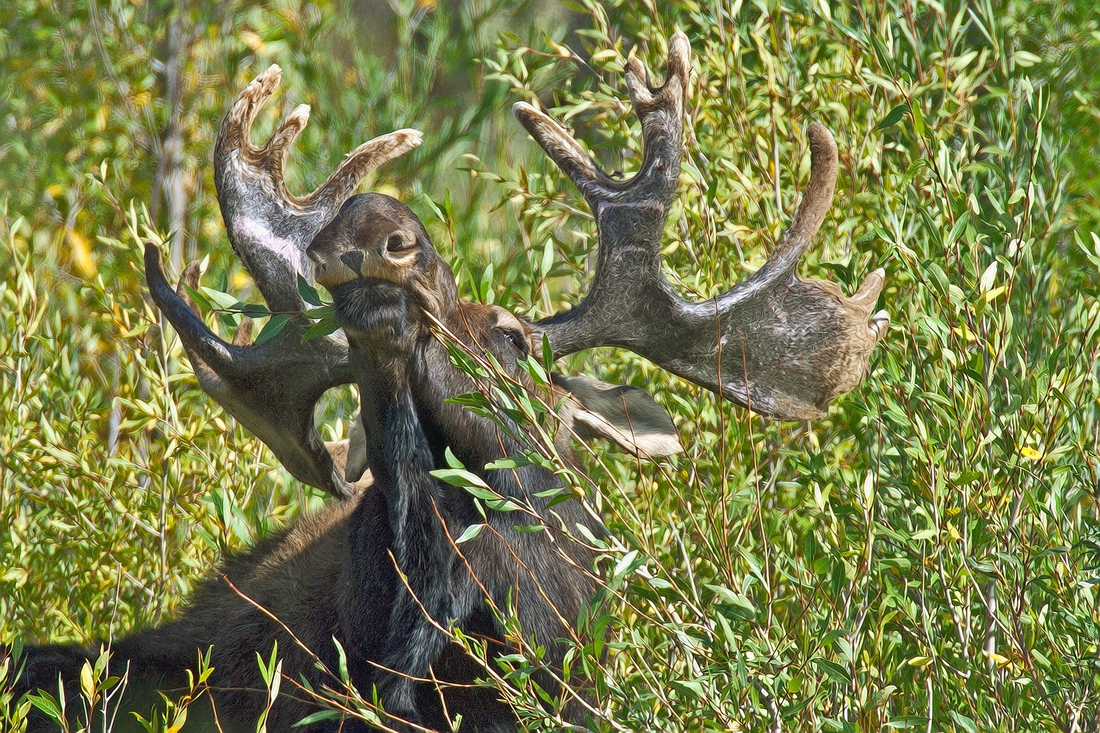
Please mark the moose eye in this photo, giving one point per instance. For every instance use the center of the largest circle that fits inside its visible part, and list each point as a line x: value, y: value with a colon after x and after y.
x: 516, y: 340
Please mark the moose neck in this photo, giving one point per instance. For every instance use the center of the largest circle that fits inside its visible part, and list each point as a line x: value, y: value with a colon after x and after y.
x: 383, y: 328
x: 406, y: 378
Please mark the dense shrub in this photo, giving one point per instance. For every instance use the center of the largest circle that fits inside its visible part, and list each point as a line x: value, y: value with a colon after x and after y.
x: 926, y: 557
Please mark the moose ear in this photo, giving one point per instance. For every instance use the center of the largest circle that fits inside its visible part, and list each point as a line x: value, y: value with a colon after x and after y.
x: 623, y: 414
x: 350, y: 455
x: 356, y: 464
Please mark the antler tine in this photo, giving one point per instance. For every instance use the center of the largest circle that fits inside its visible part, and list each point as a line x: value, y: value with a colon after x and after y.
x: 781, y: 345
x: 660, y: 110
x: 270, y: 388
x: 816, y: 199
x: 203, y: 346
x: 359, y: 164
x: 563, y: 150
x: 630, y: 215
x: 268, y: 226
x: 237, y: 127
x: 793, y: 345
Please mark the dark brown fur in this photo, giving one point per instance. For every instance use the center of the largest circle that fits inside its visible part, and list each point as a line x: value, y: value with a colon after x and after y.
x: 334, y: 575
x: 302, y: 577
x: 388, y: 286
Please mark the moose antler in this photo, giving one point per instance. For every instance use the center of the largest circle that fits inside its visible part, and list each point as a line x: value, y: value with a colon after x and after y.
x: 272, y: 387
x: 779, y: 344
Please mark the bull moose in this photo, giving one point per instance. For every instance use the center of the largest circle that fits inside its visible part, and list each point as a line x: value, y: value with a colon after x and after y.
x: 382, y: 571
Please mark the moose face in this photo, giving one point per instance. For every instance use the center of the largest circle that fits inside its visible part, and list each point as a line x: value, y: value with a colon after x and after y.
x: 375, y: 247
x: 390, y: 288
x: 376, y: 236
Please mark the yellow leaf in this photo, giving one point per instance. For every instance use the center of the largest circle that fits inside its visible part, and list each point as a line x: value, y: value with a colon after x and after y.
x: 999, y: 660
x: 86, y: 684
x: 1030, y: 453
x: 561, y: 50
x: 80, y: 252
x: 253, y: 41
x: 920, y: 662
x: 991, y: 295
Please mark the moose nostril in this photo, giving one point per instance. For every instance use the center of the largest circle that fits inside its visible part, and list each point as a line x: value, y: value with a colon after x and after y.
x: 353, y: 260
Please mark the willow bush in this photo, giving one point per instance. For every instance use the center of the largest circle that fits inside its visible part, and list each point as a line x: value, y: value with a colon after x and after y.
x: 926, y: 557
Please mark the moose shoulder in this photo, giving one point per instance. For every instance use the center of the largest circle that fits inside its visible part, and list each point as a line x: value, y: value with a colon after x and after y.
x: 382, y: 573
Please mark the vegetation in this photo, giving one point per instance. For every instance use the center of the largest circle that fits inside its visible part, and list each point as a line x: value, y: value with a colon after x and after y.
x: 926, y: 557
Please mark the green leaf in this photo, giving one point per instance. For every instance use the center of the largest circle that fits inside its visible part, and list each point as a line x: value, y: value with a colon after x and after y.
x: 272, y: 328
x: 529, y: 528
x: 426, y: 200
x: 509, y: 462
x: 321, y: 328
x: 1024, y: 59
x: 725, y: 595
x: 885, y: 58
x: 342, y: 663
x: 47, y: 704
x: 547, y: 257
x: 835, y: 672
x: 199, y: 298
x: 222, y: 300
x: 1092, y: 253
x: 308, y: 292
x: 475, y: 487
x: 918, y: 119
x: 451, y: 458
x: 892, y: 117
x: 178, y: 720
x: 317, y: 717
x: 328, y: 310
x: 469, y: 533
x: 965, y: 723
x: 547, y: 354
x: 690, y: 688
x: 908, y: 721
x: 253, y: 310
x: 464, y: 479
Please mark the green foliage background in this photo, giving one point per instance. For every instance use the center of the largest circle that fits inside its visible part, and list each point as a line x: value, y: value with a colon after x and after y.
x: 927, y: 557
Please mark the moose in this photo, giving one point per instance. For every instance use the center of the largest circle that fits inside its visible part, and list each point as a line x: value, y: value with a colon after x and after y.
x: 382, y: 571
